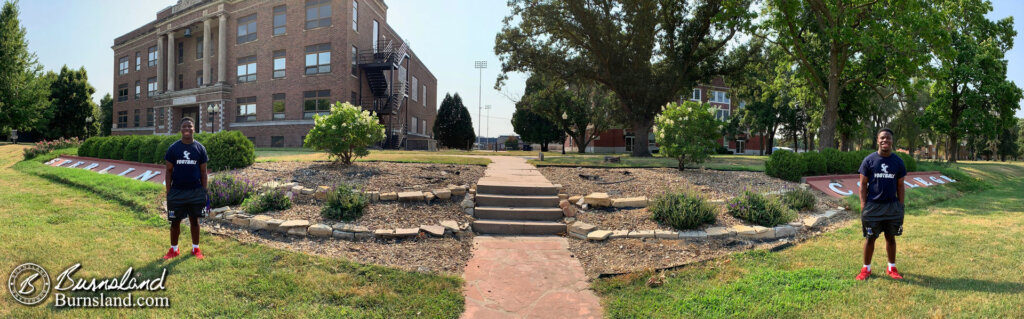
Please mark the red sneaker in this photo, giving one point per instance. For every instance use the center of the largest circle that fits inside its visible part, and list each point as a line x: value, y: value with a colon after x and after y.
x: 196, y: 253
x: 864, y: 273
x: 171, y: 253
x: 894, y: 273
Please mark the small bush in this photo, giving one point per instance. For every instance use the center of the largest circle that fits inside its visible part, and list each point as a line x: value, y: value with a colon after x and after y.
x: 854, y: 159
x: 345, y: 133
x: 682, y: 210
x: 344, y: 204
x: 835, y: 161
x: 759, y: 209
x: 88, y: 148
x: 908, y: 161
x: 44, y: 147
x: 785, y: 165
x: 133, y: 148
x: 799, y: 200
x: 228, y: 150
x: 814, y: 164
x: 272, y: 200
x: 722, y: 150
x: 225, y: 190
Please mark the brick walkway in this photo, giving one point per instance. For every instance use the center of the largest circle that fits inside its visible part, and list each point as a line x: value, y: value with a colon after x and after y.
x: 524, y: 276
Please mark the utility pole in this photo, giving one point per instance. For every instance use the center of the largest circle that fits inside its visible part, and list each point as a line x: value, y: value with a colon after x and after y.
x: 480, y: 65
x: 488, y: 108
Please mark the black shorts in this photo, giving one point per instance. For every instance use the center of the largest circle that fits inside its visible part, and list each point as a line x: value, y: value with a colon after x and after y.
x: 183, y: 203
x: 872, y: 229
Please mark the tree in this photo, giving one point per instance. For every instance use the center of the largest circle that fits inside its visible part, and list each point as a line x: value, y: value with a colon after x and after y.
x: 687, y: 132
x: 1020, y: 138
x: 22, y: 96
x: 511, y: 144
x: 345, y: 133
x: 972, y: 95
x: 645, y: 51
x: 70, y: 105
x: 582, y: 109
x: 106, y: 117
x: 534, y: 128
x: 912, y: 104
x: 838, y: 43
x: 454, y: 127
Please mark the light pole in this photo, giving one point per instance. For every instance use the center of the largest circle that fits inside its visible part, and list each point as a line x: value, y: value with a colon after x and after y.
x: 488, y: 108
x: 88, y: 122
x: 480, y: 65
x: 214, y: 109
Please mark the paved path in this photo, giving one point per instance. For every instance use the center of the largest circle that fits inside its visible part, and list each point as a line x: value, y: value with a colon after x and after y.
x: 524, y: 277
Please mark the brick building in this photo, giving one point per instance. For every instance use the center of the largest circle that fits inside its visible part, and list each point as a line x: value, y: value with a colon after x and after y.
x: 270, y: 65
x: 716, y: 93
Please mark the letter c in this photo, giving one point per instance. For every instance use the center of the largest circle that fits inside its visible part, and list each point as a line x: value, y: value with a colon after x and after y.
x: 835, y: 188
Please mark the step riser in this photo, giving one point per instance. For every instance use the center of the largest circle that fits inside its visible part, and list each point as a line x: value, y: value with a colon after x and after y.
x: 496, y: 201
x: 498, y: 213
x: 515, y: 229
x: 517, y: 190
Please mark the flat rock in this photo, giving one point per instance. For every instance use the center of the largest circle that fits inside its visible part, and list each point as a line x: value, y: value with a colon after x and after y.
x: 830, y: 214
x: 295, y: 223
x: 815, y: 221
x: 785, y: 231
x: 450, y: 225
x: 320, y: 230
x: 718, y: 232
x: 457, y: 190
x: 297, y: 231
x: 220, y: 209
x: 407, y: 232
x: 384, y: 233
x: 598, y: 235
x: 343, y: 235
x: 274, y: 224
x: 563, y: 196
x: 619, y: 234
x: 433, y: 230
x: 308, y: 191
x: 240, y: 221
x: 630, y: 202
x: 256, y: 224
x: 443, y: 194
x: 342, y: 227
x: 410, y: 196
x: 389, y: 196
x: 467, y: 203
x: 797, y: 224
x: 372, y: 196
x: 363, y: 236
x: 360, y: 229
x: 569, y: 211
x: 296, y: 189
x: 743, y: 230
x: 563, y: 204
x: 598, y: 200
x: 581, y: 228
x: 428, y: 197
x: 760, y: 232
x: 575, y: 198
x: 693, y: 234
x: 665, y: 234
x: 641, y: 234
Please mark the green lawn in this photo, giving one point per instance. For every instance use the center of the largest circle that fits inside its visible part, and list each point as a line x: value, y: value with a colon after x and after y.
x: 716, y: 162
x: 48, y: 222
x: 961, y: 254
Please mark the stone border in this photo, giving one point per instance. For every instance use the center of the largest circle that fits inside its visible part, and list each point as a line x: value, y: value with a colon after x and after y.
x: 303, y: 228
x: 590, y: 232
x: 320, y: 192
x: 599, y: 200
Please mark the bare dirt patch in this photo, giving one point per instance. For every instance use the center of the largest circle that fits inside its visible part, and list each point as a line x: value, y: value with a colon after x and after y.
x: 629, y: 182
x: 371, y: 176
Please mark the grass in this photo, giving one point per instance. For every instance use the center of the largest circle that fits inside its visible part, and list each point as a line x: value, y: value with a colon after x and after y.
x: 716, y: 162
x: 961, y: 256
x: 54, y: 217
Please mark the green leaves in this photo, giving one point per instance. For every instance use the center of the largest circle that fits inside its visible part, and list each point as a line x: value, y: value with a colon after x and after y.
x: 687, y: 132
x: 345, y: 133
x: 453, y: 127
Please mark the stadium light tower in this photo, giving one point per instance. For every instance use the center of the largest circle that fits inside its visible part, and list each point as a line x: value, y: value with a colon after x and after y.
x: 480, y: 65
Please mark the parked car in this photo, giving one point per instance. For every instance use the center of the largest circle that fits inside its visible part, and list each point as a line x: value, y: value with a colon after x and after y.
x: 781, y: 148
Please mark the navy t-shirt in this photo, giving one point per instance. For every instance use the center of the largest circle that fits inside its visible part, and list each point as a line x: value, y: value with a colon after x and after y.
x: 883, y: 175
x: 186, y: 159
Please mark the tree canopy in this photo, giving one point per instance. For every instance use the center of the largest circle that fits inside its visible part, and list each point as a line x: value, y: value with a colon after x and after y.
x: 453, y: 127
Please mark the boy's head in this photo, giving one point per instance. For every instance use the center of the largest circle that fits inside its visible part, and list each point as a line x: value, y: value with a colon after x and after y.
x: 187, y: 128
x: 885, y: 140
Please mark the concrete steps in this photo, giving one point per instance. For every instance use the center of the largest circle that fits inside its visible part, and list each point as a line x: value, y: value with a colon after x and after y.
x: 517, y: 227
x: 520, y: 190
x: 518, y: 213
x: 495, y: 200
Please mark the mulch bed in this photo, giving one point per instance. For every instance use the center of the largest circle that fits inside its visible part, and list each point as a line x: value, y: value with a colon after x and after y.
x: 631, y: 182
x: 371, y: 176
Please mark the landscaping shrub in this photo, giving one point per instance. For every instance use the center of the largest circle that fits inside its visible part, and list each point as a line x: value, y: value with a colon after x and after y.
x: 908, y: 161
x: 814, y: 164
x: 785, y: 165
x: 271, y: 200
x: 343, y: 203
x: 834, y: 160
x: 854, y: 159
x: 225, y: 190
x: 345, y: 133
x: 153, y: 153
x: 759, y: 209
x: 227, y: 149
x: 799, y: 200
x: 686, y: 132
x: 132, y: 148
x: 682, y: 210
x: 116, y: 147
x: 43, y: 147
x: 722, y: 150
x: 88, y: 148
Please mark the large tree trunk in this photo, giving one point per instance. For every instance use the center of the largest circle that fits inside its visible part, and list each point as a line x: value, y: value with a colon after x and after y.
x: 640, y: 130
x: 828, y: 120
x: 544, y: 147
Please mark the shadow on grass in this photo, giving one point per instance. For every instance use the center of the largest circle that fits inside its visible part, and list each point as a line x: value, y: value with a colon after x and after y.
x: 965, y: 284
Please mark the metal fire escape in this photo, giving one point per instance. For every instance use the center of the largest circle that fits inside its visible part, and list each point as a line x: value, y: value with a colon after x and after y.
x: 381, y: 66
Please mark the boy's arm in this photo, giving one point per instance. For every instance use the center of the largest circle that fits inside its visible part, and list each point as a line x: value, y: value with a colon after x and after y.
x: 900, y: 189
x: 863, y: 191
x: 203, y: 174
x: 167, y: 178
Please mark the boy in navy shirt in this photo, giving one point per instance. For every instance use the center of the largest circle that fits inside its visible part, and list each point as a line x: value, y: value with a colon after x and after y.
x: 186, y: 186
x: 881, y: 202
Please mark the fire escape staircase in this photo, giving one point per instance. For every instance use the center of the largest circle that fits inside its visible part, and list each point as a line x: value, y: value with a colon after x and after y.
x: 380, y: 66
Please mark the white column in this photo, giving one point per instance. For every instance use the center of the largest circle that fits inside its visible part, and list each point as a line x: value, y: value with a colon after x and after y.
x: 206, y: 51
x: 222, y: 39
x: 160, y: 63
x: 171, y: 77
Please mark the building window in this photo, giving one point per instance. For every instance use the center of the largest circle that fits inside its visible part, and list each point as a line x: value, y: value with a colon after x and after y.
x: 318, y: 59
x: 149, y: 117
x: 152, y: 56
x: 280, y: 20
x: 181, y: 81
x: 138, y: 61
x: 199, y: 78
x: 278, y: 106
x: 247, y: 29
x: 246, y: 109
x: 423, y: 127
x: 137, y: 112
x: 181, y: 52
x: 695, y: 95
x: 315, y: 102
x: 122, y: 92
x: 415, y: 123
x: 355, y: 61
x: 277, y: 141
x: 122, y: 66
x: 138, y: 89
x: 722, y: 115
x: 424, y: 95
x: 415, y: 89
x: 199, y: 47
x: 151, y: 86
x: 161, y: 116
x: 318, y: 13
x: 354, y: 99
x: 279, y: 64
x: 355, y: 15
x: 122, y: 119
x: 719, y: 97
x: 247, y: 69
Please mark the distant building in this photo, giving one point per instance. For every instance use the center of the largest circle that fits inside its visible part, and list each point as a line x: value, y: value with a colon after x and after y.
x: 271, y: 66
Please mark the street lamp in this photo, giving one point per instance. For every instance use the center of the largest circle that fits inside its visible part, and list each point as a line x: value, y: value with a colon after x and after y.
x: 480, y: 65
x: 214, y: 108
x: 88, y: 122
x: 565, y: 117
x: 488, y: 108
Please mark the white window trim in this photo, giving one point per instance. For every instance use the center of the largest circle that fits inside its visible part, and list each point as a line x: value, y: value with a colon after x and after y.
x: 698, y: 92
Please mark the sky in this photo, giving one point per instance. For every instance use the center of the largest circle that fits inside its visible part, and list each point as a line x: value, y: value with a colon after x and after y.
x: 448, y: 36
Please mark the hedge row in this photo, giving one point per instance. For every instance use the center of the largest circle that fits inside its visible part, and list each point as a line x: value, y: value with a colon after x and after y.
x: 226, y: 149
x: 791, y: 166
